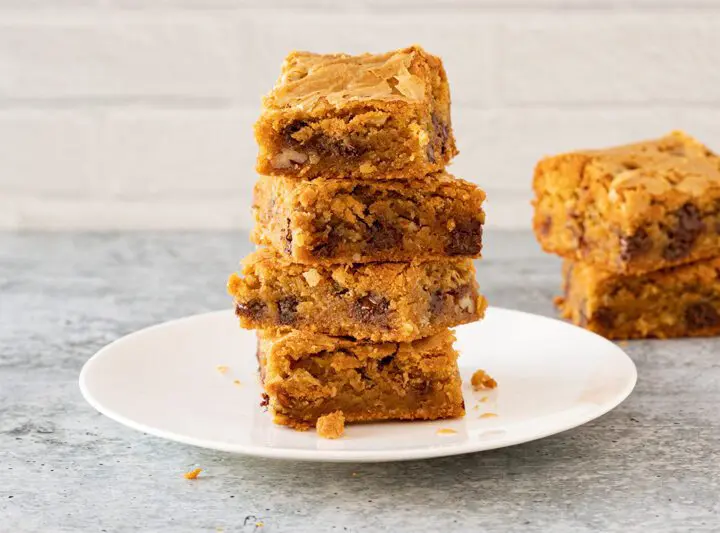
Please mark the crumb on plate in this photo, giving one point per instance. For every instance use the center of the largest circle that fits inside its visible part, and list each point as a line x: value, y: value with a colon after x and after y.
x: 222, y: 369
x: 446, y: 431
x: 331, y: 426
x: 481, y: 380
x: 236, y: 382
x: 488, y: 415
x: 193, y: 474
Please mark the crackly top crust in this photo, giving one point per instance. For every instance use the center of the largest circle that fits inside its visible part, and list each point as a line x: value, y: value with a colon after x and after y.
x: 311, y: 80
x: 628, y: 182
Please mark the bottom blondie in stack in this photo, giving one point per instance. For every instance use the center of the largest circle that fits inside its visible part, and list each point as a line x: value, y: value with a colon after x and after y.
x: 639, y: 226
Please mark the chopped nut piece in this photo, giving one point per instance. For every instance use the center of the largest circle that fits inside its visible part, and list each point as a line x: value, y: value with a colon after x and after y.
x: 482, y: 381
x: 331, y: 426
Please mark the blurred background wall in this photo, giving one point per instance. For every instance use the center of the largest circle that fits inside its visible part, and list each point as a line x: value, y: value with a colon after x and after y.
x: 138, y: 113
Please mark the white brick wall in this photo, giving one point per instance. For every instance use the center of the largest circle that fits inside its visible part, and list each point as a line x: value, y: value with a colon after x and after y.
x: 138, y: 113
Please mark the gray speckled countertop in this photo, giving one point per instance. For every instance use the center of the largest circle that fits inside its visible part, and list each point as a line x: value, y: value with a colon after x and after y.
x: 653, y: 464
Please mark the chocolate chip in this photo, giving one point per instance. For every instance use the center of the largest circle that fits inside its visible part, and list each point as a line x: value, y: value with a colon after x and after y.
x: 287, y: 237
x: 337, y: 147
x: 605, y: 317
x: 545, y: 226
x: 265, y: 400
x: 441, y: 132
x: 689, y: 227
x: 253, y: 310
x: 326, y: 249
x: 437, y: 302
x: 287, y: 310
x: 384, y: 236
x: 465, y: 239
x: 632, y: 246
x: 701, y: 315
x: 371, y: 309
x: 290, y: 130
x: 430, y: 153
x: 385, y: 361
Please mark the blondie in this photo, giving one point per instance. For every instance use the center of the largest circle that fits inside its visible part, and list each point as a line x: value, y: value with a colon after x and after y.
x: 354, y: 221
x: 377, y: 301
x: 307, y: 376
x: 631, y: 209
x: 368, y: 116
x: 682, y: 301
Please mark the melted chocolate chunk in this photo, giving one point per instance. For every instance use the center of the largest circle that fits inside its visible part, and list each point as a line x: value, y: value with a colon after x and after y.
x: 290, y: 130
x: 632, y: 246
x: 546, y: 226
x: 384, y: 236
x: 287, y: 237
x: 430, y: 153
x: 605, y: 317
x: 385, y: 361
x: 327, y: 146
x: 265, y: 401
x: 441, y: 132
x: 371, y: 309
x: 689, y: 227
x: 437, y: 302
x: 287, y: 310
x: 326, y: 249
x: 465, y: 239
x: 701, y: 315
x: 254, y: 309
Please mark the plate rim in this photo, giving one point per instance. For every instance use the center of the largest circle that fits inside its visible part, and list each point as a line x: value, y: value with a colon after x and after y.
x: 315, y: 455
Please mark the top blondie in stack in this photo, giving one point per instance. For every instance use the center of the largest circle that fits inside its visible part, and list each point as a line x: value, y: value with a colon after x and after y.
x: 639, y: 228
x: 366, y: 242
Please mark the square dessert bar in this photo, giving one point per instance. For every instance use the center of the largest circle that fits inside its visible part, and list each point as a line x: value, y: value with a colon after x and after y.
x: 354, y: 221
x: 682, y: 301
x: 366, y: 116
x: 633, y: 208
x: 376, y: 301
x: 307, y: 376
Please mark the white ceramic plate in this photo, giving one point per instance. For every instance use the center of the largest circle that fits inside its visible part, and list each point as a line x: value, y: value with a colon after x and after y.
x: 165, y: 381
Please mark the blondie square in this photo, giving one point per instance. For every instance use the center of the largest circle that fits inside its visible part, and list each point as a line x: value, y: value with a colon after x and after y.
x: 682, y: 301
x: 354, y: 221
x: 307, y: 376
x: 631, y: 209
x: 368, y: 116
x: 375, y: 301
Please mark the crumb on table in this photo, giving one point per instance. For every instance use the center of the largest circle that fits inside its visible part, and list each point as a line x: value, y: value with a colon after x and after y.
x: 193, y: 474
x: 331, y: 426
x: 481, y: 380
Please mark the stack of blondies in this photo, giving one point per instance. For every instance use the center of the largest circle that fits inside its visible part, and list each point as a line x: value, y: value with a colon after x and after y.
x: 366, y: 243
x: 639, y: 228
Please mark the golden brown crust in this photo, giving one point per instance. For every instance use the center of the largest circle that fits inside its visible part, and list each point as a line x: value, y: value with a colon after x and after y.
x: 378, y: 301
x: 381, y: 116
x: 682, y: 301
x: 308, y: 376
x: 630, y: 209
x: 328, y: 221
